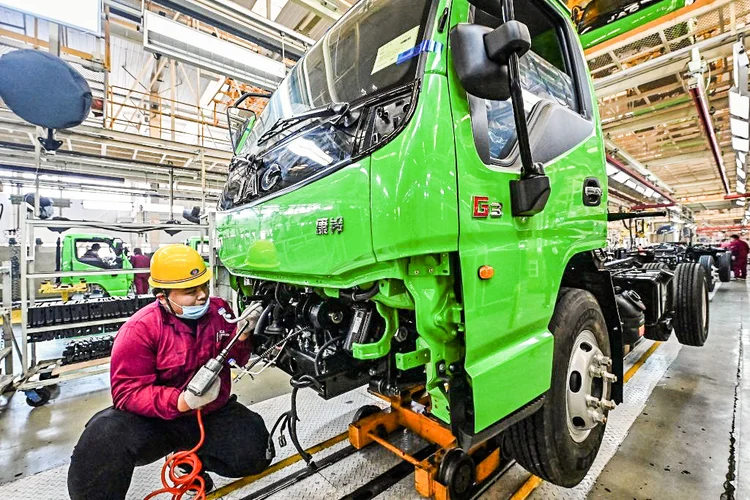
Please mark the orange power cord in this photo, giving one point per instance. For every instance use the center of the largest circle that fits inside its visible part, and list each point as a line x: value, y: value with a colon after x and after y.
x: 192, y: 481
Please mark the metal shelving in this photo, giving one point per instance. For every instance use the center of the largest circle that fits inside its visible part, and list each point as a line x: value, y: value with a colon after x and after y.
x: 38, y: 375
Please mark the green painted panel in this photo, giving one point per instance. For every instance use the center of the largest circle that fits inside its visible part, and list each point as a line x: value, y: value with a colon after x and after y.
x: 279, y: 239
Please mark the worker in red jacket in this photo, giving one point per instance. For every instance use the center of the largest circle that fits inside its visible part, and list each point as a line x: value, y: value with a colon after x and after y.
x: 140, y: 261
x: 739, y: 249
x: 155, y: 355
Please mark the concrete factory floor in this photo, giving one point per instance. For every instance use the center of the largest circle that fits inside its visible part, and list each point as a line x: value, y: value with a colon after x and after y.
x: 680, y: 446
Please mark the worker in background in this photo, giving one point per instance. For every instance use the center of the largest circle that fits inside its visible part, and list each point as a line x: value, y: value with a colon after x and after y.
x: 739, y: 250
x: 154, y: 357
x: 92, y: 257
x: 140, y: 261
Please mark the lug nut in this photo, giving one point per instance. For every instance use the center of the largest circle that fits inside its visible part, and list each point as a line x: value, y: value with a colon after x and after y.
x: 603, y: 360
x: 598, y: 417
x: 610, y: 376
x: 592, y: 402
x: 607, y: 404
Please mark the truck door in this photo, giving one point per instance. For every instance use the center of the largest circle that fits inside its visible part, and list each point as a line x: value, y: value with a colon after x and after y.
x: 508, y: 344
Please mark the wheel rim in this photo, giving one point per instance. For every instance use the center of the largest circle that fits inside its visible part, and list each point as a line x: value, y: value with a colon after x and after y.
x: 704, y: 306
x: 582, y: 387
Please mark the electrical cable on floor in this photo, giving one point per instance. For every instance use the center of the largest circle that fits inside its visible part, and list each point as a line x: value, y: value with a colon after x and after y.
x: 182, y: 484
x: 289, y: 420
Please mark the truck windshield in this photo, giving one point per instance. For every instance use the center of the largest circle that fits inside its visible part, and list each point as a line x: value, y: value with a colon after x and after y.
x: 366, y: 52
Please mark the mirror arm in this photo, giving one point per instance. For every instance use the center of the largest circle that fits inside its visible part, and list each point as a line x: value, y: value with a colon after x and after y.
x: 530, y: 193
x: 528, y: 168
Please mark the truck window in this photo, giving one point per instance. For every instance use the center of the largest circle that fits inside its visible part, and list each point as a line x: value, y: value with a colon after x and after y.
x: 546, y: 73
x: 96, y: 253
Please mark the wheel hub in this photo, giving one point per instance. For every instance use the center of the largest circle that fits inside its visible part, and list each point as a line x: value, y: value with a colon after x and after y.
x: 589, y: 384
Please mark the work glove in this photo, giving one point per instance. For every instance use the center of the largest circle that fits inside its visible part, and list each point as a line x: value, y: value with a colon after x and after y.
x: 195, y: 402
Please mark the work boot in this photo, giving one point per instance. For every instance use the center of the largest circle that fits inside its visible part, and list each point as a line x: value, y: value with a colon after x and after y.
x: 207, y: 481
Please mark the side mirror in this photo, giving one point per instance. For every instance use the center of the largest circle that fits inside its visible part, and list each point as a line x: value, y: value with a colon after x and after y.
x: 481, y: 54
x: 240, y: 122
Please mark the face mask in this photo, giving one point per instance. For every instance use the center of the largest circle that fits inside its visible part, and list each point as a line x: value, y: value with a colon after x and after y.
x: 192, y: 312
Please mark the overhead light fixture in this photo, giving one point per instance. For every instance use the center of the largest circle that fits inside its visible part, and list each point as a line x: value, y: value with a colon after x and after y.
x: 740, y: 144
x: 188, y: 45
x: 741, y: 174
x: 84, y: 15
x: 740, y: 187
x: 739, y: 127
x: 739, y: 105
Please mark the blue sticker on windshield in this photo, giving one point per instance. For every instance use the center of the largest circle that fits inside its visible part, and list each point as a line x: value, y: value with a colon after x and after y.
x: 426, y: 46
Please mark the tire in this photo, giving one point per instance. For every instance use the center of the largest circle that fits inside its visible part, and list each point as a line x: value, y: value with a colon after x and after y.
x: 690, y: 302
x: 707, y: 262
x: 724, y: 263
x: 547, y: 443
x: 655, y: 265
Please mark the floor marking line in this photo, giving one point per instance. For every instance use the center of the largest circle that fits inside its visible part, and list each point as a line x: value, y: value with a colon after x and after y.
x: 234, y: 486
x: 533, y: 482
x: 637, y: 365
x: 527, y: 488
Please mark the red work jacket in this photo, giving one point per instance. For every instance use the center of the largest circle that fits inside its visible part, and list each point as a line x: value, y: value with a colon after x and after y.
x: 155, y: 354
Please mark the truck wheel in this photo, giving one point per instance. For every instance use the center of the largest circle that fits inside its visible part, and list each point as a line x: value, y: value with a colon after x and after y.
x: 655, y: 265
x: 707, y: 261
x: 725, y: 267
x: 690, y: 292
x: 560, y: 441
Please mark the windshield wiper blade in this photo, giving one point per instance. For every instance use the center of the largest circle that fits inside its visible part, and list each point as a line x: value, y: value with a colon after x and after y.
x: 333, y: 109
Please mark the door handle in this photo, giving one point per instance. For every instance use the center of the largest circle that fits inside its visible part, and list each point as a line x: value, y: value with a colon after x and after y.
x: 592, y: 192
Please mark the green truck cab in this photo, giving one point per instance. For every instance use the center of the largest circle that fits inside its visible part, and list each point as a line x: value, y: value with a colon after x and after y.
x: 422, y: 201
x: 200, y: 245
x: 78, y: 253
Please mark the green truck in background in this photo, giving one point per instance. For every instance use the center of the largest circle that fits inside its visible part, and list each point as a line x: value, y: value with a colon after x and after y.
x: 423, y: 200
x: 600, y: 20
x: 77, y: 252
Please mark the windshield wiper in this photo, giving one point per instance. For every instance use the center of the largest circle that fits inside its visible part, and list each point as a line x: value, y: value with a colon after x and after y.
x: 333, y: 109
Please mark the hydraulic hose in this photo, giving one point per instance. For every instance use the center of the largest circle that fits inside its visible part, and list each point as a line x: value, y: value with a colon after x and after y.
x: 366, y: 295
x: 192, y: 481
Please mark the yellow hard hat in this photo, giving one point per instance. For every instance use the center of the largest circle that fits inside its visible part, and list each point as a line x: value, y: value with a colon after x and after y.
x: 178, y: 266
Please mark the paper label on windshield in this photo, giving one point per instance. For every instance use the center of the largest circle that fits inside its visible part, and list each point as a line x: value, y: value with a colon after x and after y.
x: 388, y: 53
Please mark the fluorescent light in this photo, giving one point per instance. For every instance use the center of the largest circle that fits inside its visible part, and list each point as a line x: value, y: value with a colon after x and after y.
x: 739, y: 105
x: 741, y: 173
x: 739, y: 127
x: 739, y: 144
x: 649, y: 193
x: 621, y: 177
x: 159, y: 208
x: 107, y: 205
x: 740, y: 187
x: 84, y: 15
x: 176, y: 40
x: 611, y: 169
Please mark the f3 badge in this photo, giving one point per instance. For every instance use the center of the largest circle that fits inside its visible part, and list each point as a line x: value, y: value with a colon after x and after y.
x: 484, y: 209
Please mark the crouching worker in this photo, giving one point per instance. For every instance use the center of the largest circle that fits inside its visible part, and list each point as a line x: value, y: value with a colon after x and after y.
x: 155, y: 355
